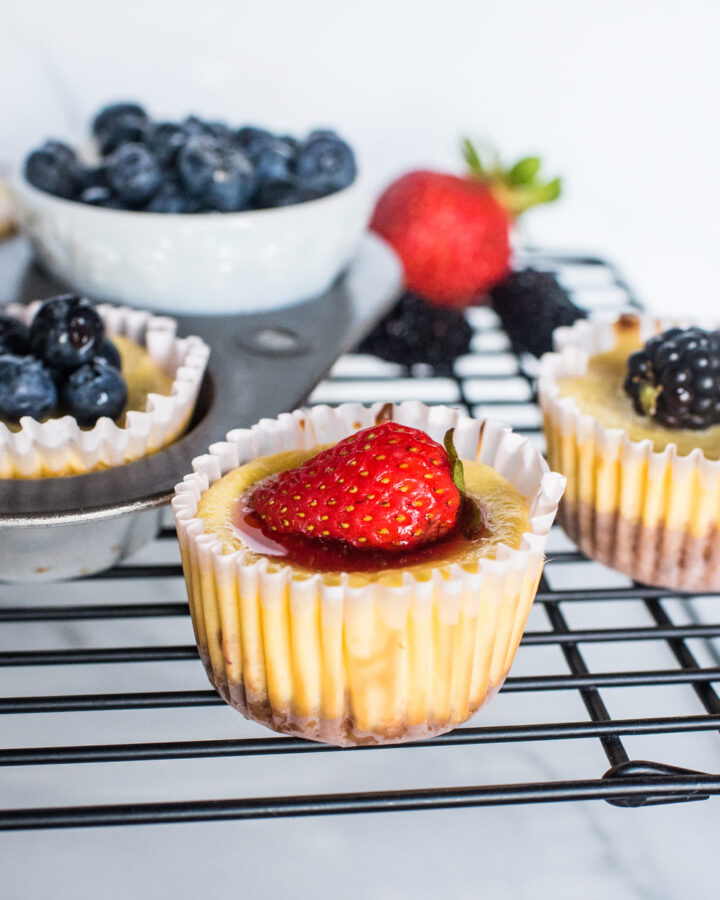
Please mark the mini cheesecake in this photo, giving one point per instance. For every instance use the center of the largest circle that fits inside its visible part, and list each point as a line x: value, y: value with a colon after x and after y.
x: 361, y: 648
x: 641, y: 497
x: 143, y: 376
x: 163, y: 374
x: 599, y: 393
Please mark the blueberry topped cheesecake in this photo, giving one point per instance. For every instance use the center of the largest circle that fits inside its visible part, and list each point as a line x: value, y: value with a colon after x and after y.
x: 85, y: 387
x: 632, y: 417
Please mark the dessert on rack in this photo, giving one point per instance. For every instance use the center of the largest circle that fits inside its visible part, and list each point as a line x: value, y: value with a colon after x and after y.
x: 363, y: 575
x: 86, y: 387
x: 632, y: 418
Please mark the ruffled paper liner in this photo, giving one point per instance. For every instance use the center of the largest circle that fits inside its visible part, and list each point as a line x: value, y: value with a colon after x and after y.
x: 653, y: 515
x: 347, y: 662
x: 60, y: 447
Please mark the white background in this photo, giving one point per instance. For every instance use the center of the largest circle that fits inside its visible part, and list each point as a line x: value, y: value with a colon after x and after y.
x: 621, y: 97
x: 618, y: 97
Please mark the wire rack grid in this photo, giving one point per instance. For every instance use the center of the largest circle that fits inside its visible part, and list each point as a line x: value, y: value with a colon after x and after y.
x: 616, y: 681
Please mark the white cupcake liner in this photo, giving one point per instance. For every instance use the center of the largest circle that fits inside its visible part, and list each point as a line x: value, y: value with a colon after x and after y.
x: 337, y: 660
x: 653, y: 515
x: 60, y: 447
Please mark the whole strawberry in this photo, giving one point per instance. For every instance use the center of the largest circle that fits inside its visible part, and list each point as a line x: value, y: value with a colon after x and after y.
x: 385, y: 487
x: 453, y: 234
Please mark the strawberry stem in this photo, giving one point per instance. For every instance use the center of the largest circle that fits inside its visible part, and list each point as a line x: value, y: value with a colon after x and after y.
x: 517, y: 187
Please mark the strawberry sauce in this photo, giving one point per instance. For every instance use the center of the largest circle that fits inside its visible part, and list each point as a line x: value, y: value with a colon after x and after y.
x: 336, y: 556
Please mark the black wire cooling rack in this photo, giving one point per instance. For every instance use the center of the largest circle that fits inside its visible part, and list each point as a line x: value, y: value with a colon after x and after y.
x: 634, y: 666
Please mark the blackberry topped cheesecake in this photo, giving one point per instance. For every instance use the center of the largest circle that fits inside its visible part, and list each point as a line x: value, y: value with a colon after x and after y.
x: 632, y: 417
x: 352, y: 579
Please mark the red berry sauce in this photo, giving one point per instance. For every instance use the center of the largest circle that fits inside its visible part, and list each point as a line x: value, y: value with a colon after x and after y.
x: 336, y: 556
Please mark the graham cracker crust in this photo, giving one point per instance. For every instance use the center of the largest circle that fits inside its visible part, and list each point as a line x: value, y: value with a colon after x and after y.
x: 657, y: 556
x: 341, y: 732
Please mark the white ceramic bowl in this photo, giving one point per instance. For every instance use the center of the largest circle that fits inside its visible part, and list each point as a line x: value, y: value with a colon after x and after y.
x: 196, y: 263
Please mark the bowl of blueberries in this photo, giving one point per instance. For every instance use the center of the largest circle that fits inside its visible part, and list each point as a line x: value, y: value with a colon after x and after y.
x: 193, y: 216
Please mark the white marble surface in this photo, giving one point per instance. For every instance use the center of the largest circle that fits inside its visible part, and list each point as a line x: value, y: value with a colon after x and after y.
x: 556, y: 851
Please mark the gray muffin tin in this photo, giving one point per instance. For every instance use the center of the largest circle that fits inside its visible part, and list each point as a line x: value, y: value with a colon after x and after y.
x: 260, y: 365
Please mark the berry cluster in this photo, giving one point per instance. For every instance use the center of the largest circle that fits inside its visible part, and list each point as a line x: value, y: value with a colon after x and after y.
x: 675, y: 378
x: 416, y: 331
x: 531, y: 305
x: 63, y: 362
x: 191, y: 166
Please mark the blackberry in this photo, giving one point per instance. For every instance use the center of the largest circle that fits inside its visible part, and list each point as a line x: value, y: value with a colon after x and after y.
x: 675, y: 378
x: 416, y: 331
x: 531, y: 305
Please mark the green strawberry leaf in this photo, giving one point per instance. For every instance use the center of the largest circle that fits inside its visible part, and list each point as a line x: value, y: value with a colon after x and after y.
x: 550, y: 191
x: 472, y: 158
x: 524, y: 170
x: 471, y: 517
x: 471, y: 513
x: 457, y: 472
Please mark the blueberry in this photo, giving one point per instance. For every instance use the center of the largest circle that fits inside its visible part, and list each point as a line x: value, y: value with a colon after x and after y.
x: 97, y: 196
x: 322, y: 132
x: 26, y: 388
x: 134, y: 173
x: 273, y: 160
x: 95, y: 389
x: 94, y: 176
x: 325, y: 163
x: 130, y: 132
x: 252, y: 140
x: 110, y: 353
x: 292, y: 142
x: 55, y: 169
x: 109, y: 116
x: 66, y: 332
x: 164, y: 140
x: 221, y: 177
x: 114, y: 202
x: 62, y: 152
x: 281, y: 192
x: 172, y: 197
x: 14, y: 336
x: 193, y: 125
x: 119, y: 124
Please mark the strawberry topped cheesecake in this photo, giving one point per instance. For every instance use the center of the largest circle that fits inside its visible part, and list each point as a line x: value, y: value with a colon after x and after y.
x: 352, y: 579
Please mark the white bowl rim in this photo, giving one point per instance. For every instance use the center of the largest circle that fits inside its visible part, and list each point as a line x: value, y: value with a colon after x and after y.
x: 19, y: 182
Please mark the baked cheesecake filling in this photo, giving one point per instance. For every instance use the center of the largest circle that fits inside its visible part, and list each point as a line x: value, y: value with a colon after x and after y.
x: 599, y: 393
